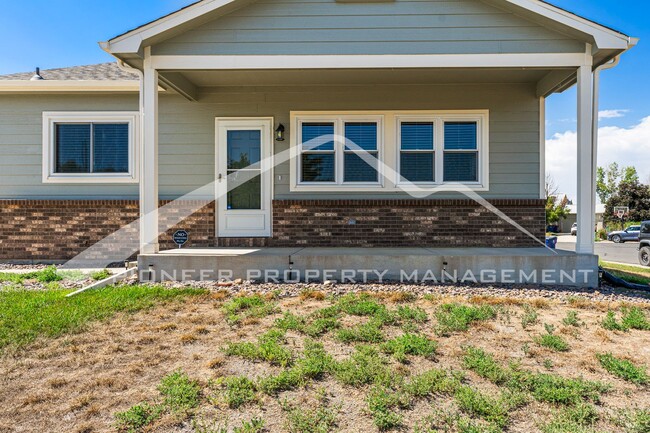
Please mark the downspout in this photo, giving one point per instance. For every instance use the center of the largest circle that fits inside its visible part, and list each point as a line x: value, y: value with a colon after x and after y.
x: 594, y: 163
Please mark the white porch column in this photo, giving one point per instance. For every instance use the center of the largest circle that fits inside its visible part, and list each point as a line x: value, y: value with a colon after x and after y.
x: 149, y: 161
x: 586, y: 174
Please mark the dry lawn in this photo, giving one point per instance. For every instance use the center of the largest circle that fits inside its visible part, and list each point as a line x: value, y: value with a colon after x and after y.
x: 77, y: 383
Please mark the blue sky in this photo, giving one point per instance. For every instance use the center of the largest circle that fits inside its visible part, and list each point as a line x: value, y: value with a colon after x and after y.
x: 61, y: 33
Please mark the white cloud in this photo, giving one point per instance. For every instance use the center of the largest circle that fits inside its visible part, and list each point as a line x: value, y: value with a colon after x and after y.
x: 625, y: 146
x: 612, y: 114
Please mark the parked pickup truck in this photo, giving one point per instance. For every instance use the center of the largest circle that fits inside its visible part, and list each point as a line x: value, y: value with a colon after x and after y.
x: 644, y: 244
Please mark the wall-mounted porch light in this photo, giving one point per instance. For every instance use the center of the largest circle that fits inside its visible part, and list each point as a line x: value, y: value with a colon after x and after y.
x: 279, y: 133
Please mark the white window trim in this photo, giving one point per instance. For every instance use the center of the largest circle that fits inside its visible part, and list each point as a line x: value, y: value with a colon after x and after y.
x: 389, y: 149
x: 50, y: 119
x: 339, y: 121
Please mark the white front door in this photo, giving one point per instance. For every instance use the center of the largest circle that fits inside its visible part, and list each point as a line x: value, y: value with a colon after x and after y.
x: 244, y: 176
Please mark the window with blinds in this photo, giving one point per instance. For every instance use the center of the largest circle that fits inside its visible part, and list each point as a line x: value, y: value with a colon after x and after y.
x: 461, y: 152
x: 91, y: 148
x: 360, y: 153
x: 417, y: 152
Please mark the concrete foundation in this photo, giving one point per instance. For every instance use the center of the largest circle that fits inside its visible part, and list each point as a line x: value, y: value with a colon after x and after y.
x: 405, y: 265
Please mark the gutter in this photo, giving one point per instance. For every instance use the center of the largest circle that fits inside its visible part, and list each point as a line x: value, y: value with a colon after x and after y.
x: 63, y: 86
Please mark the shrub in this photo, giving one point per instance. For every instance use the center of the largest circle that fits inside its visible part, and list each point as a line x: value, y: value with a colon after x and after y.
x: 624, y: 369
x: 179, y: 392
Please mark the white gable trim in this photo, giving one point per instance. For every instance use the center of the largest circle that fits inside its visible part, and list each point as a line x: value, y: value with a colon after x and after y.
x: 132, y: 42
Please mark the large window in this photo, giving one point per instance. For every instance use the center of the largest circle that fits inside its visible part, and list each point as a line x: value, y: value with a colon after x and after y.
x: 390, y: 151
x: 89, y: 147
x: 339, y: 151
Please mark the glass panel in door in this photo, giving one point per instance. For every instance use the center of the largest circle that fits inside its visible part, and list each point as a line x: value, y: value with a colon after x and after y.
x: 244, y: 171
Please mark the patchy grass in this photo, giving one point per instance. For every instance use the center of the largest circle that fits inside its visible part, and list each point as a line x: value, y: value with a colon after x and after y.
x: 623, y: 368
x: 409, y: 344
x: 268, y: 348
x: 631, y: 318
x: 47, y: 275
x: 457, y: 318
x: 529, y: 316
x: 242, y: 307
x: 26, y: 315
x: 182, y: 367
x: 180, y: 393
x: 552, y: 341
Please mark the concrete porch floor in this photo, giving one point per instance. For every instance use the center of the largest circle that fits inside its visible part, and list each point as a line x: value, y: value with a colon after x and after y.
x: 406, y: 265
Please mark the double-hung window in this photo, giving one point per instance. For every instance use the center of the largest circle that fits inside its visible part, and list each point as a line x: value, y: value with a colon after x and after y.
x: 417, y: 151
x: 461, y: 151
x: 339, y: 151
x: 90, y: 147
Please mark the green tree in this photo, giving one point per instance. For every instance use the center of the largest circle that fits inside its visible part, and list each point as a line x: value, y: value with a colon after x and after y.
x: 633, y: 194
x: 556, y: 207
x: 608, y: 179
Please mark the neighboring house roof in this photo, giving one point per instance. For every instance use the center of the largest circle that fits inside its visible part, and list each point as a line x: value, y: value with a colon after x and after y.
x: 573, y: 209
x: 98, y: 72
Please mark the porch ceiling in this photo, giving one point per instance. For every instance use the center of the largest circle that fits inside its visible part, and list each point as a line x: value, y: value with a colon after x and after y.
x: 293, y: 77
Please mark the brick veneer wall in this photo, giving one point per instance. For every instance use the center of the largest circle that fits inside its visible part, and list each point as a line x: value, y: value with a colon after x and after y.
x: 60, y: 229
x: 51, y: 230
x: 405, y: 223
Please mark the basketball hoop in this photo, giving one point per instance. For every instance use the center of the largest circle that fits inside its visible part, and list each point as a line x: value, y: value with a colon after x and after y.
x: 621, y: 212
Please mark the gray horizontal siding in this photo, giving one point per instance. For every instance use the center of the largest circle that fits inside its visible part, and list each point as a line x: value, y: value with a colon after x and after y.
x: 187, y: 133
x: 399, y: 27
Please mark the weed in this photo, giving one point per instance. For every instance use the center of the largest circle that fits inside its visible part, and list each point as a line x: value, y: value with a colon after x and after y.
x: 551, y: 341
x: 479, y: 404
x: 311, y: 365
x: 180, y: 393
x: 409, y: 344
x: 457, y: 317
x: 100, y: 275
x: 238, y: 390
x: 571, y: 319
x: 365, y: 366
x: 255, y: 425
x: 319, y: 420
x: 578, y: 419
x: 624, y: 369
x: 432, y: 382
x: 369, y: 332
x: 381, y: 402
x: 485, y: 366
x: 137, y: 417
x: 290, y: 321
x: 634, y: 421
x: 555, y: 389
x: 268, y: 349
x: 529, y: 317
x: 548, y: 364
x: 360, y: 305
x: 631, y: 318
x: 413, y: 315
x: 321, y: 326
x: 254, y: 306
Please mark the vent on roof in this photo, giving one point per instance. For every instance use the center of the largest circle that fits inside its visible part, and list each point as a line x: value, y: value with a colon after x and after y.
x: 37, y: 75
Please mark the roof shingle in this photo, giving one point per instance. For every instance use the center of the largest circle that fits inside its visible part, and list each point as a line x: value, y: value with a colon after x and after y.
x: 101, y: 72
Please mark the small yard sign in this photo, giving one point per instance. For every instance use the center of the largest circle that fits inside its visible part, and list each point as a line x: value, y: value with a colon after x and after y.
x: 181, y: 237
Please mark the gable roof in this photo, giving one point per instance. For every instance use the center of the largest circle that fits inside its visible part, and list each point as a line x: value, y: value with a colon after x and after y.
x: 98, y: 72
x: 133, y: 41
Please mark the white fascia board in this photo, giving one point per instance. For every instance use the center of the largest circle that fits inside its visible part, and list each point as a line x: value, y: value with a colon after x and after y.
x: 69, y: 86
x: 131, y: 42
x: 219, y: 62
x: 605, y: 38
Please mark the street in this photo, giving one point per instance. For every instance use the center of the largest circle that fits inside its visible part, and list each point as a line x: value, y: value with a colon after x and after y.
x: 608, y: 251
